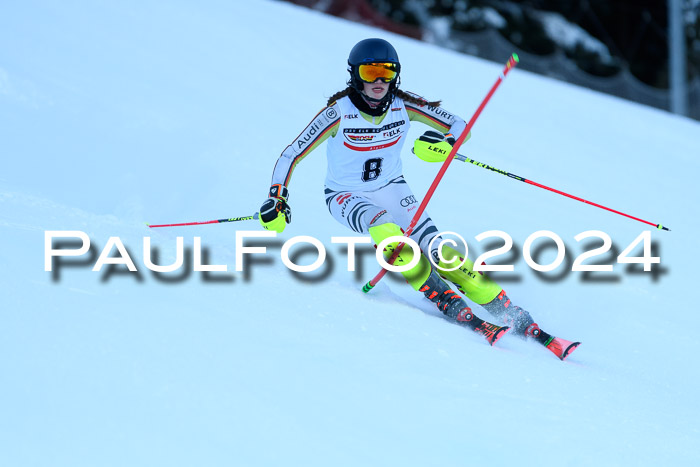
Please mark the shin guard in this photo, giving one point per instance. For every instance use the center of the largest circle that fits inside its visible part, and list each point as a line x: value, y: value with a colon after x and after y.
x: 417, y: 275
x: 476, y: 286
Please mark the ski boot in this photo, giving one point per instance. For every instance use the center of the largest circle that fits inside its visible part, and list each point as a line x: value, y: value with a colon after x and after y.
x: 525, y: 327
x: 453, y: 305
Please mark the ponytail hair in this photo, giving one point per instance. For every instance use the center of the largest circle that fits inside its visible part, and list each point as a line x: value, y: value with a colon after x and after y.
x: 411, y: 98
x: 339, y: 95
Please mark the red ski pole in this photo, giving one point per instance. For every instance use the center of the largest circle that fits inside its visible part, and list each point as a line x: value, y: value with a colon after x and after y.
x: 460, y: 157
x: 512, y: 62
x: 217, y: 221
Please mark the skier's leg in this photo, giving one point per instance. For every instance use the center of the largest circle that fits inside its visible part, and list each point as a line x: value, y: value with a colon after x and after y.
x: 479, y: 288
x: 402, y: 204
x: 359, y: 213
x: 382, y: 229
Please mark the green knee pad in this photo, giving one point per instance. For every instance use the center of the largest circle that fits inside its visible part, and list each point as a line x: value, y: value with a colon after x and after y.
x: 415, y: 276
x: 476, y: 286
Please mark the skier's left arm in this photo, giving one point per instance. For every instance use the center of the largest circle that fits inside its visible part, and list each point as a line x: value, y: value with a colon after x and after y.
x: 434, y: 146
x: 437, y: 118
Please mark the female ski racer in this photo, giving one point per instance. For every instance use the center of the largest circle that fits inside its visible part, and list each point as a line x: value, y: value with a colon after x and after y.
x: 365, y: 126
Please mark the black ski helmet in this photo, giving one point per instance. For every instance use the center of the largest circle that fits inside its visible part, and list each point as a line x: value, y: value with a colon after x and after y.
x: 372, y: 51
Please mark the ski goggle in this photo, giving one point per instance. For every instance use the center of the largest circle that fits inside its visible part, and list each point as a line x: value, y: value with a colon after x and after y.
x: 370, y: 72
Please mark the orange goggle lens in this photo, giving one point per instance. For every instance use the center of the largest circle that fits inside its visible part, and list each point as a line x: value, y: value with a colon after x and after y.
x: 370, y: 72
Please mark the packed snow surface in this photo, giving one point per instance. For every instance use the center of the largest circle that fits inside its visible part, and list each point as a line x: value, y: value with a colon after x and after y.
x: 115, y: 114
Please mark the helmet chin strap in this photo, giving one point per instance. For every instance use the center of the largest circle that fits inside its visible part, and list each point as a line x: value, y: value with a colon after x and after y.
x: 372, y: 99
x: 376, y: 103
x: 364, y: 104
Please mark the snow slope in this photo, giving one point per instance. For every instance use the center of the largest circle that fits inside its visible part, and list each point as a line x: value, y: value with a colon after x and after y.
x: 113, y: 114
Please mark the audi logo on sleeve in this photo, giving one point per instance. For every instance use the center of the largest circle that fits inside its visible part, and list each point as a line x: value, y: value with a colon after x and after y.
x: 407, y: 201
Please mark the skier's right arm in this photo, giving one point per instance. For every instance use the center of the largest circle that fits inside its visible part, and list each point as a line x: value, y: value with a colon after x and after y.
x: 275, y: 212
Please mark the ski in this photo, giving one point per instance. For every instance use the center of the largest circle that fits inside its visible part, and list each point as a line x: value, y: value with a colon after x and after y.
x: 492, y: 332
x: 558, y: 346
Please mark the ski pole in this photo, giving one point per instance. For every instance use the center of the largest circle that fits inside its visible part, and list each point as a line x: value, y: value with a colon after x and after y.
x: 217, y: 221
x: 460, y: 157
x: 512, y: 62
